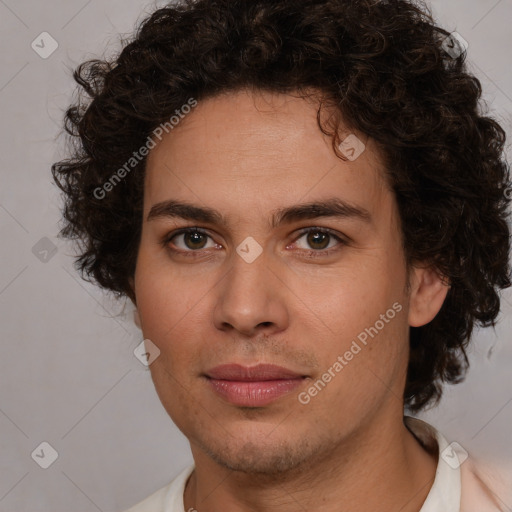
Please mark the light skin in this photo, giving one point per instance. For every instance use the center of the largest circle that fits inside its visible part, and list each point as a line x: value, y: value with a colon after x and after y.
x: 246, y: 155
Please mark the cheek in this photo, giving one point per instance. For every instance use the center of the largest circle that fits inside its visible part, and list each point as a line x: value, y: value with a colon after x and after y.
x: 171, y: 310
x: 349, y: 298
x: 162, y: 298
x: 361, y: 311
x: 166, y: 317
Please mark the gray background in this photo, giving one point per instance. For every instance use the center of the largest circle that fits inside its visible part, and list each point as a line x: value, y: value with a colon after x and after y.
x: 68, y: 375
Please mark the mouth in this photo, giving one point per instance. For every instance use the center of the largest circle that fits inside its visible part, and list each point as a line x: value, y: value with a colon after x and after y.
x: 254, y: 386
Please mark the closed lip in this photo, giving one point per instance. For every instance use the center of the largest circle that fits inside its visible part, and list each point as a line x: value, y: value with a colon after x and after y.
x: 258, y: 373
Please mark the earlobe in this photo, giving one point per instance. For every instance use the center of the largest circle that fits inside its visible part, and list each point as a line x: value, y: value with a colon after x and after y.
x: 428, y: 292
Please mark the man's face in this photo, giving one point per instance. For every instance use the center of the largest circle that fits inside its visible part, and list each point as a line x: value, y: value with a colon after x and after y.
x: 213, y: 298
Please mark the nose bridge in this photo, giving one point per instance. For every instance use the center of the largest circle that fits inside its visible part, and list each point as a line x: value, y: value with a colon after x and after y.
x: 248, y: 293
x: 247, y: 281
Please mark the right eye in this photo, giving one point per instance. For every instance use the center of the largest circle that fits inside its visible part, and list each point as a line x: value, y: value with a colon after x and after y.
x: 192, y: 239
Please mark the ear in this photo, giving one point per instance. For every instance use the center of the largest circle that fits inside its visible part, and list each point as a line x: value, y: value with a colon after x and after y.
x: 427, y: 294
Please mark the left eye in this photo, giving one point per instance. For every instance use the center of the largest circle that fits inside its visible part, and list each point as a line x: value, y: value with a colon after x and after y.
x: 316, y: 238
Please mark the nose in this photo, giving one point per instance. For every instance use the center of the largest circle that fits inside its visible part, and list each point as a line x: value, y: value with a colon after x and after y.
x: 251, y: 298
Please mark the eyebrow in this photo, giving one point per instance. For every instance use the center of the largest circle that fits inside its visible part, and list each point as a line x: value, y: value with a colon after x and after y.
x: 333, y: 207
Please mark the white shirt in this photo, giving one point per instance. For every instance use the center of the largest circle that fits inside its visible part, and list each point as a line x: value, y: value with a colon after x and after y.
x: 457, y: 485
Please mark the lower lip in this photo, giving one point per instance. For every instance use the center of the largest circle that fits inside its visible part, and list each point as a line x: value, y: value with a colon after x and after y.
x: 254, y: 394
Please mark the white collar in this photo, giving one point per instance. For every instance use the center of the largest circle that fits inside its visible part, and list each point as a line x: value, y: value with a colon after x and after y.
x: 445, y: 492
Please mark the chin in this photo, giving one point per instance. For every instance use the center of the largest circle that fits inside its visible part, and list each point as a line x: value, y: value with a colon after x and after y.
x: 270, y: 457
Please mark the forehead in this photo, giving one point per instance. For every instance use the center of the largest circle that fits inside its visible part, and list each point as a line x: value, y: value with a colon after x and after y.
x: 255, y: 150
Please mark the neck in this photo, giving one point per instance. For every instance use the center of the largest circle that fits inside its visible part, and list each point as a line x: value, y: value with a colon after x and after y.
x: 382, y: 467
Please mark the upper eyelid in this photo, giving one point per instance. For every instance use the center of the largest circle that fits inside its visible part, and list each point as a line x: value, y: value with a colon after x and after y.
x: 332, y: 232
x: 183, y: 231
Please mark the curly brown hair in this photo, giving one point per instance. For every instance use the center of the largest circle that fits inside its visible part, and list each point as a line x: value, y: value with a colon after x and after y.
x: 383, y: 66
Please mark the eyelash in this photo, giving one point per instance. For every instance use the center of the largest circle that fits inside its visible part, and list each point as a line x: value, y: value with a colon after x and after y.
x: 312, y: 253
